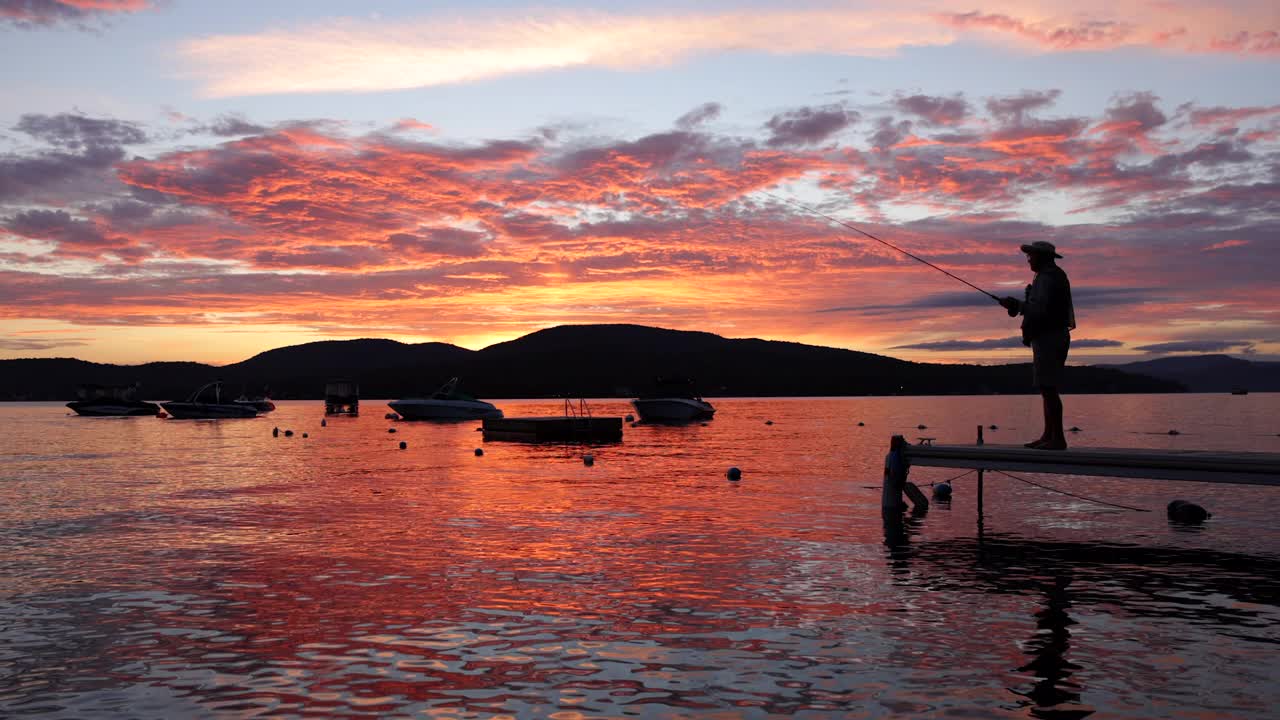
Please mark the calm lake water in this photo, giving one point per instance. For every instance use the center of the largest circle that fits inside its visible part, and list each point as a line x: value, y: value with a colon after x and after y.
x: 162, y: 569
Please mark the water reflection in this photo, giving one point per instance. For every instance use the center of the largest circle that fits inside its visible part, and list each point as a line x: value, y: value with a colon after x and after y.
x: 154, y: 569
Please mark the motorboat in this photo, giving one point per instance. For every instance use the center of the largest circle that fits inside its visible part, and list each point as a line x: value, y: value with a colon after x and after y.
x: 111, y: 401
x: 446, y: 403
x: 209, y: 403
x: 261, y: 403
x: 673, y: 401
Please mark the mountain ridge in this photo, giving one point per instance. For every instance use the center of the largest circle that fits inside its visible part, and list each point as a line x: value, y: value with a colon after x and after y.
x: 580, y: 360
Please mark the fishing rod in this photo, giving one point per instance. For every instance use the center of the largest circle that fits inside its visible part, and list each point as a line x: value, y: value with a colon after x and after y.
x: 808, y: 209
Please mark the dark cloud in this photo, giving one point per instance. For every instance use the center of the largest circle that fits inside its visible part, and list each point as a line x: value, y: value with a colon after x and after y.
x: 1199, y: 346
x: 31, y: 14
x: 1014, y: 109
x: 998, y: 344
x: 77, y: 132
x: 22, y: 176
x: 443, y: 242
x: 1080, y: 296
x: 33, y: 344
x: 889, y: 132
x: 231, y: 126
x: 1135, y: 114
x: 934, y: 110
x: 699, y: 115
x: 807, y: 125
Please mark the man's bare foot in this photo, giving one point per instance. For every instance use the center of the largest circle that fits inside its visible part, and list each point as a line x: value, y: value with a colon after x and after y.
x: 1035, y: 444
x: 1052, y: 445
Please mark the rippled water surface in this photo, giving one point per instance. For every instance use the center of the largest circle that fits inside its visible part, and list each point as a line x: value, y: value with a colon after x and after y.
x: 158, y: 569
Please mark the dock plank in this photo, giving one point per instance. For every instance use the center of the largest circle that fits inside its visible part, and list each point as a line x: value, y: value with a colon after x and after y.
x: 1251, y: 468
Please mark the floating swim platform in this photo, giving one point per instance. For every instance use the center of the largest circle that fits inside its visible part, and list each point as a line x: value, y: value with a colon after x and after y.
x: 554, y: 429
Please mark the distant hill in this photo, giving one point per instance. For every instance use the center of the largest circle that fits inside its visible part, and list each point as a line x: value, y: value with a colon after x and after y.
x: 1210, y: 373
x: 576, y: 360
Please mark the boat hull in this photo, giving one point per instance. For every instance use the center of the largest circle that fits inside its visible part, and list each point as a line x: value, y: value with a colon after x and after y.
x: 114, y: 409
x: 208, y: 411
x: 429, y: 409
x: 673, y: 409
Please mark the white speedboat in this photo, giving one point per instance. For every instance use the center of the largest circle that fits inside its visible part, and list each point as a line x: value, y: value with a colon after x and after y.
x: 673, y: 401
x: 208, y: 403
x: 447, y: 403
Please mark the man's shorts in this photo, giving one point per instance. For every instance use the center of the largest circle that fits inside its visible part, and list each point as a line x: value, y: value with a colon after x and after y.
x: 1049, y: 357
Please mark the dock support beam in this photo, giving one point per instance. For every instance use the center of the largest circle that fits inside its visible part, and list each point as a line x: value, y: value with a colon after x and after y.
x: 980, y: 472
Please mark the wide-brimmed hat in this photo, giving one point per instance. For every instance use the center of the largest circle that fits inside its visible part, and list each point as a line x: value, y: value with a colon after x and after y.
x: 1041, y: 247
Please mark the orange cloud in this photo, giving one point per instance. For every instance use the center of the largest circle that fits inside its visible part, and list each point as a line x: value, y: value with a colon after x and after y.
x: 363, y: 55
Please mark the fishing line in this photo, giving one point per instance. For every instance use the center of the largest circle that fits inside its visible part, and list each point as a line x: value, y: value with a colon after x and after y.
x: 1070, y: 494
x: 808, y: 209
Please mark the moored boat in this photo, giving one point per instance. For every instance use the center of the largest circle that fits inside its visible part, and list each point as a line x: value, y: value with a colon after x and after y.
x: 111, y: 401
x: 261, y: 403
x: 673, y: 401
x: 208, y: 403
x: 446, y: 403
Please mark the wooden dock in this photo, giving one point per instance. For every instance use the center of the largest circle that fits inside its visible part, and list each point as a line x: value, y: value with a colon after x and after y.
x: 554, y: 429
x: 1247, y: 468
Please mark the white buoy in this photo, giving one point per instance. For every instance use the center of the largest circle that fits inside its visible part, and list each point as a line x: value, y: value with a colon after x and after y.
x: 734, y: 474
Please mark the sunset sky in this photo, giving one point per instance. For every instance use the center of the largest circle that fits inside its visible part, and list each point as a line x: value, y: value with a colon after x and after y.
x: 185, y: 180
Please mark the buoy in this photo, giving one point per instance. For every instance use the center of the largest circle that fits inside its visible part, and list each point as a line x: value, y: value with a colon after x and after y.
x: 1174, y: 432
x: 479, y: 452
x: 588, y: 460
x: 862, y: 424
x: 993, y: 427
x: 391, y: 430
x: 305, y: 435
x: 1075, y: 429
x: 288, y: 433
x: 1181, y: 511
x: 631, y: 418
x: 942, y: 491
x: 275, y: 432
x: 922, y: 427
x: 403, y: 445
x: 390, y: 416
x: 323, y: 422
x: 768, y: 422
x: 733, y: 474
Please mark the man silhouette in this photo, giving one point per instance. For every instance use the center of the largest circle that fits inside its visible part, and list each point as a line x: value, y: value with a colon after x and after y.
x: 1048, y: 318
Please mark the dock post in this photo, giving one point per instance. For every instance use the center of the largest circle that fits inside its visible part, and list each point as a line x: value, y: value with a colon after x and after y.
x: 980, y: 472
x: 895, y: 477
